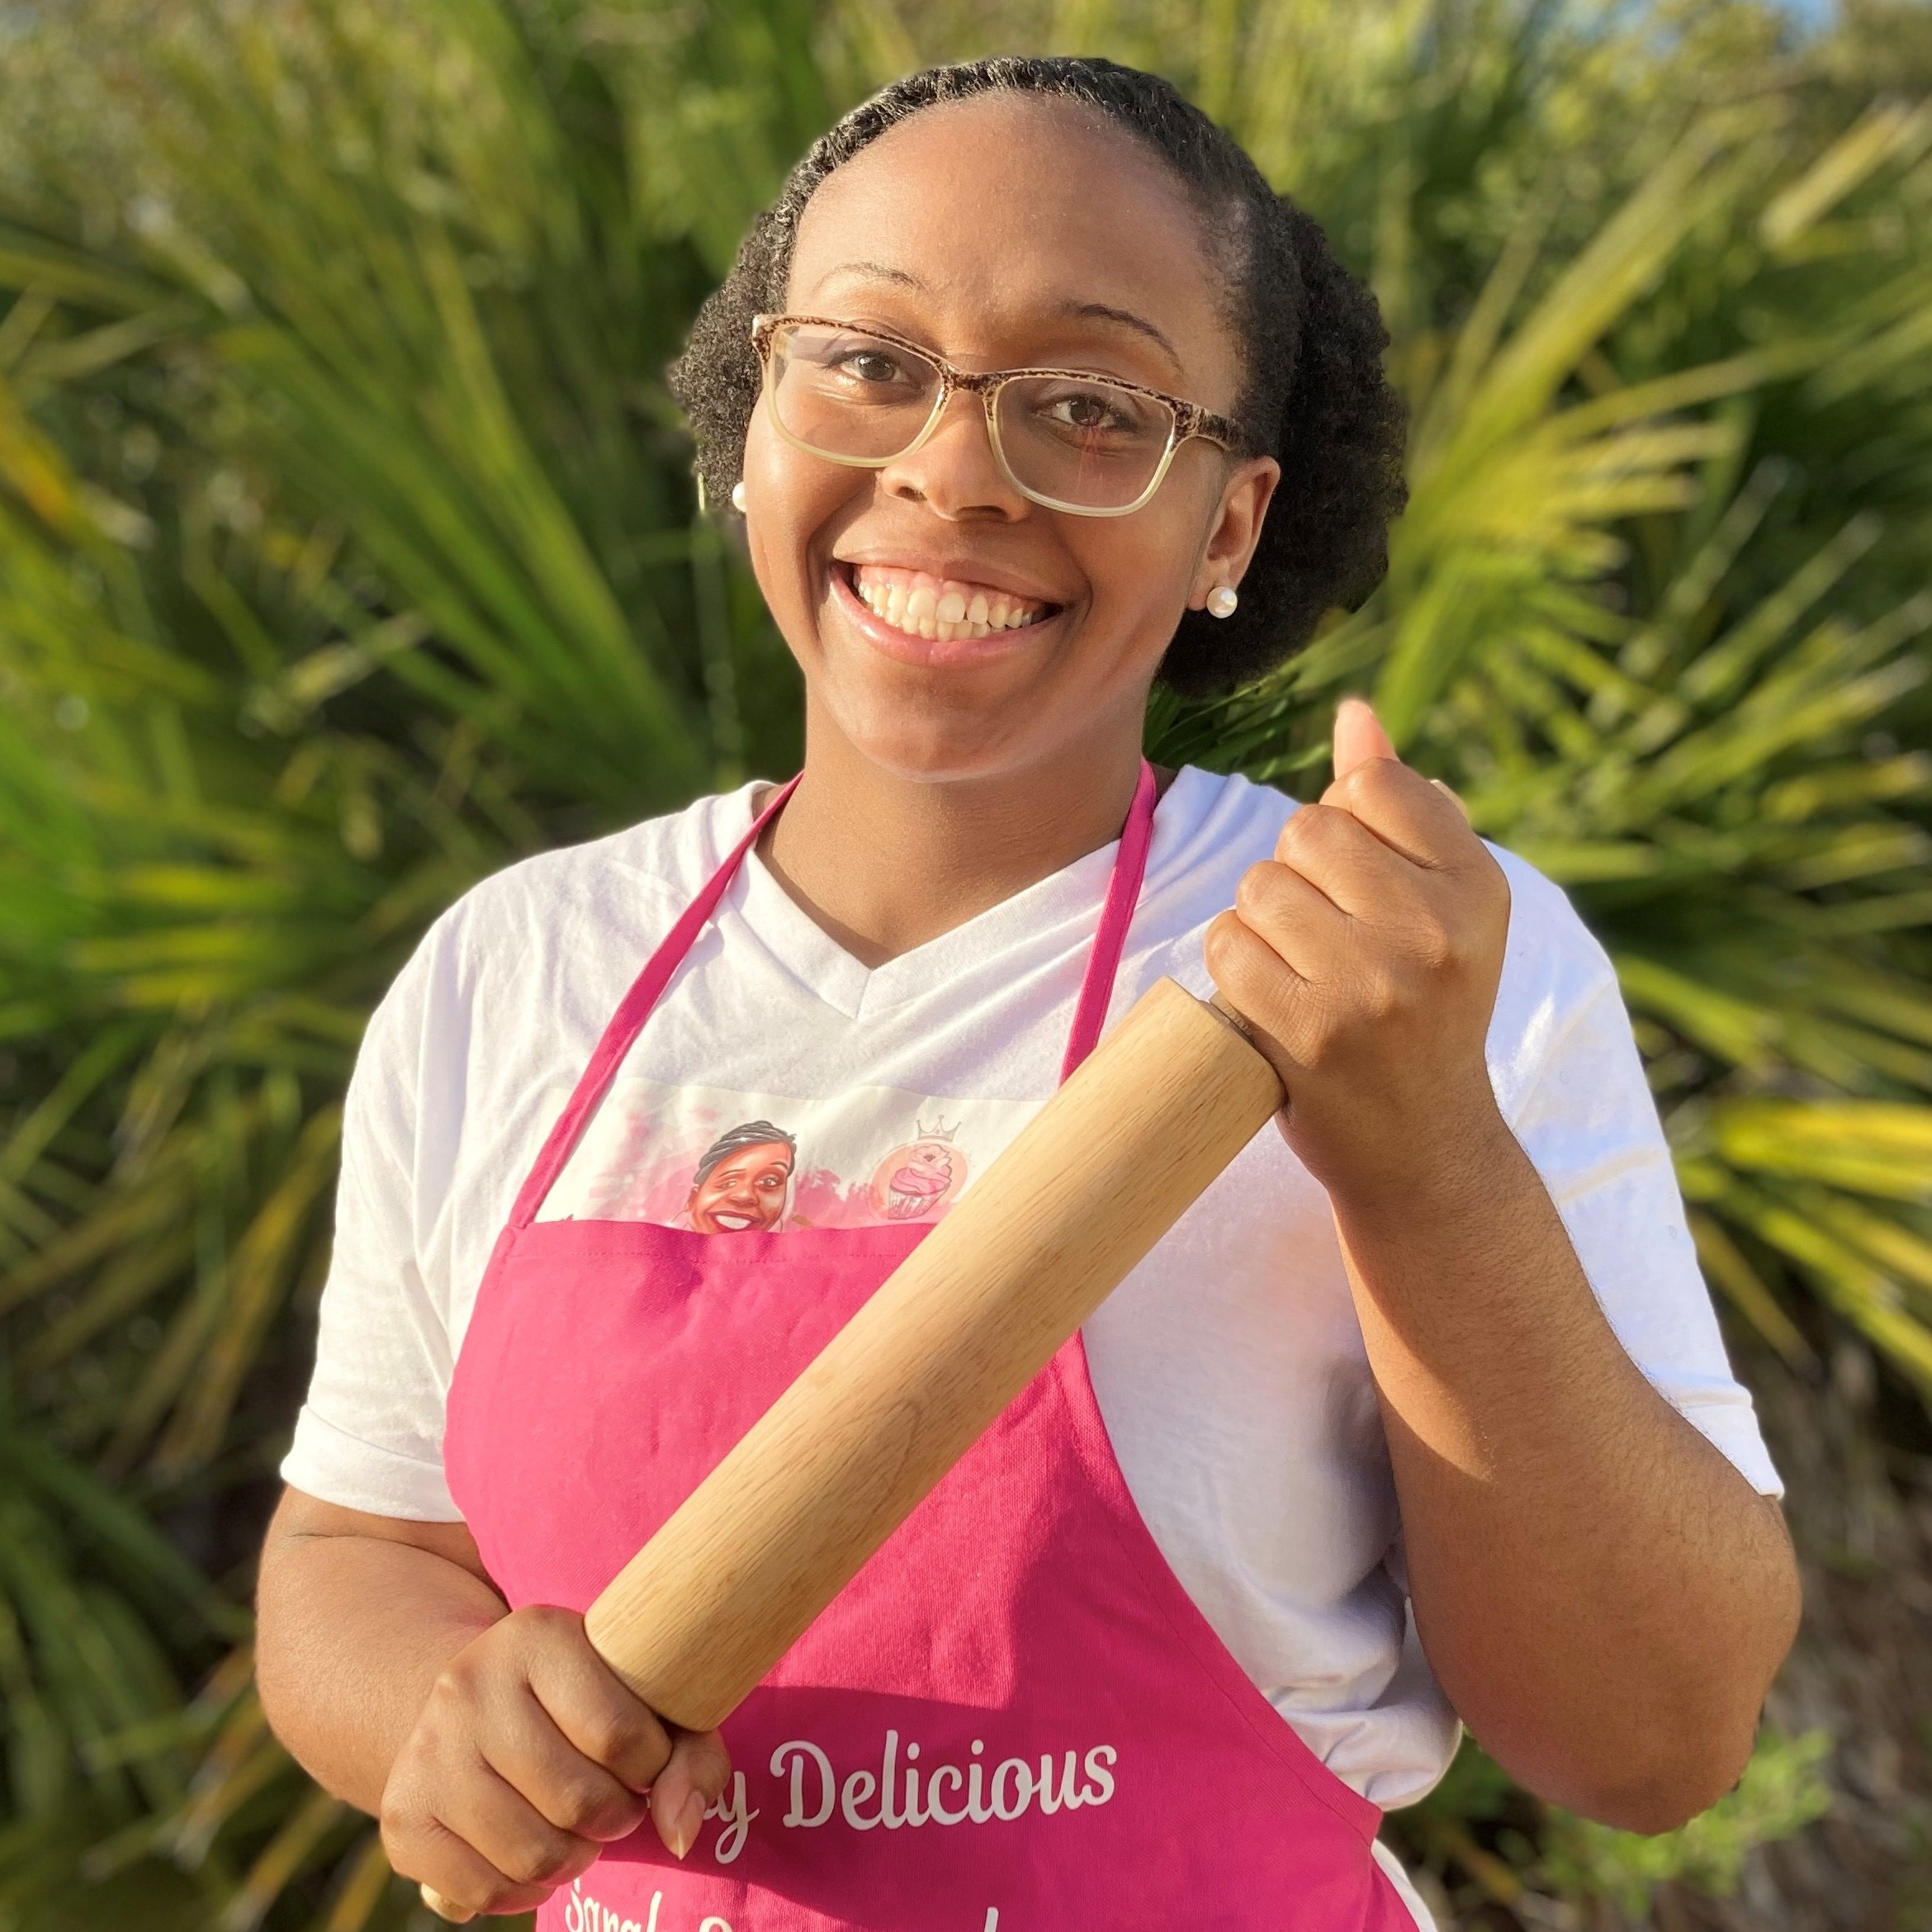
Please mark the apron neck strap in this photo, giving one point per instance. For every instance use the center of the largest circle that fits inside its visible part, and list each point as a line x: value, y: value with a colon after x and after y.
x: 1090, y: 1014
x: 628, y: 1021
x: 1103, y: 963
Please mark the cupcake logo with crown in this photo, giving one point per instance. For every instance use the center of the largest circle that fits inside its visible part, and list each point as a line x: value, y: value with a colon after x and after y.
x: 918, y: 1178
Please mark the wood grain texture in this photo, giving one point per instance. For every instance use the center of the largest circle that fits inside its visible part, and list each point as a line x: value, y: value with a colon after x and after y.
x: 978, y: 1309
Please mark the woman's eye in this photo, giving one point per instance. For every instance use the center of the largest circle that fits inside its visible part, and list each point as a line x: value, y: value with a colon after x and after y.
x: 1091, y: 415
x: 870, y: 366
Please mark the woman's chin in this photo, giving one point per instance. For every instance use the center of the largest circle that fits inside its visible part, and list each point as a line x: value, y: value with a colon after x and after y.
x: 964, y: 751
x: 938, y: 726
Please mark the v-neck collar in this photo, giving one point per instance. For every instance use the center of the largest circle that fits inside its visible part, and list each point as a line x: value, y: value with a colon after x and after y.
x: 1071, y: 897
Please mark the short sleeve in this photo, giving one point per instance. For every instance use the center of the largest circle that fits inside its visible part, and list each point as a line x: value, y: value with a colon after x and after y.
x: 1571, y: 1085
x: 370, y: 1436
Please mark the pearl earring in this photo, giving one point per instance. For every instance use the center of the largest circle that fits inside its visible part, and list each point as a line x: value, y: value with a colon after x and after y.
x: 1221, y: 600
x: 738, y: 496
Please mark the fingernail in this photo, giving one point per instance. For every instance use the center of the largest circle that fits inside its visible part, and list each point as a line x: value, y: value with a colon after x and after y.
x: 691, y: 1820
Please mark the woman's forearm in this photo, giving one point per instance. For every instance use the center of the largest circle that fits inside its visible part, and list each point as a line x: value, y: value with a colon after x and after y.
x: 1602, y: 1596
x: 355, y: 1627
x: 497, y: 1748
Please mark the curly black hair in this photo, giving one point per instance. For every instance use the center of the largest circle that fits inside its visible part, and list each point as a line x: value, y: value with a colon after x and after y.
x: 1315, y: 395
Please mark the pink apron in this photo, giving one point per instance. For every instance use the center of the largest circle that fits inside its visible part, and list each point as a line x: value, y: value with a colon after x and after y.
x: 1014, y: 1719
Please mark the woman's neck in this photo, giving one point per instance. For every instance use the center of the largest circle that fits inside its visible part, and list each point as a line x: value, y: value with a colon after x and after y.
x: 884, y: 864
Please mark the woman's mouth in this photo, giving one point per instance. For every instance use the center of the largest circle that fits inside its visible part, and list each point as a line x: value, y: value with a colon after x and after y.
x: 940, y: 609
x: 733, y: 1223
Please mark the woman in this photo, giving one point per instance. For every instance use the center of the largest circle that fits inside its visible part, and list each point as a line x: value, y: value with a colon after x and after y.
x: 744, y: 1181
x: 1439, y: 1343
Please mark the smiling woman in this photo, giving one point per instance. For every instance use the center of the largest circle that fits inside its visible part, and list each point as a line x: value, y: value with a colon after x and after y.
x: 1132, y: 281
x: 1027, y: 392
x: 743, y: 1181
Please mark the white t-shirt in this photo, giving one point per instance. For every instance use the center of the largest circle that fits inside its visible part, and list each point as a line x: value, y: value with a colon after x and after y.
x: 1229, y: 1366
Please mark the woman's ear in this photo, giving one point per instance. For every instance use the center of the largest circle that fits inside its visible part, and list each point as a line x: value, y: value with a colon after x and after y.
x: 1237, y: 528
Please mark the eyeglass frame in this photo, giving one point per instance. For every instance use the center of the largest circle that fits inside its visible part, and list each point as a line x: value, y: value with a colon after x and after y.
x: 1189, y: 419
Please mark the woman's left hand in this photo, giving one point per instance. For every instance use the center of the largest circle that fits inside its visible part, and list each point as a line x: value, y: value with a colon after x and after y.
x: 1366, y: 955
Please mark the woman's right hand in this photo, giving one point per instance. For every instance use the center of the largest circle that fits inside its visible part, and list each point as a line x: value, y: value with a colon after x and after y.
x: 528, y: 1757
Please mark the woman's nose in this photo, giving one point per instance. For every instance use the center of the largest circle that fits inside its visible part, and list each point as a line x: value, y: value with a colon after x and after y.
x: 955, y: 472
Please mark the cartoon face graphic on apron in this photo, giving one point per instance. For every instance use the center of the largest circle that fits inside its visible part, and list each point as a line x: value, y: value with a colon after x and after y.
x: 1014, y: 1719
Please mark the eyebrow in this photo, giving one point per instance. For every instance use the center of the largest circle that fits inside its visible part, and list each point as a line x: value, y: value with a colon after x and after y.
x: 1102, y: 312
x: 874, y: 272
x: 1084, y: 311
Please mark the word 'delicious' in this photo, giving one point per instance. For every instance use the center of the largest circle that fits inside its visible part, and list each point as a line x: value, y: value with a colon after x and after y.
x: 903, y: 1793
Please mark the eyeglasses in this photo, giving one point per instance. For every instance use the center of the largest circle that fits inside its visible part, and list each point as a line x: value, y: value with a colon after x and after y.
x: 1063, y: 438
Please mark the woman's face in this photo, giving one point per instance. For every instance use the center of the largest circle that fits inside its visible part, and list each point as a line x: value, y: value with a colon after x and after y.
x: 744, y: 1190
x: 1001, y: 232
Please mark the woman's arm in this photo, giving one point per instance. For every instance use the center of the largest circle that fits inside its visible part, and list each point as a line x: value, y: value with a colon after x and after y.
x: 359, y: 1617
x: 500, y: 1752
x: 1602, y: 1596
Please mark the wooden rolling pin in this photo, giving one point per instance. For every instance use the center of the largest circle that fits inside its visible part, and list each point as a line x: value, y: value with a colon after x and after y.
x: 729, y: 1584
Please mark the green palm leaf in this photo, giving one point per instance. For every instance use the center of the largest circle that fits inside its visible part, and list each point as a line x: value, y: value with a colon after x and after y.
x: 346, y: 552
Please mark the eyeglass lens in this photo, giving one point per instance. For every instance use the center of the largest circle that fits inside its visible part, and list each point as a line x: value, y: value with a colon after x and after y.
x: 1076, y: 439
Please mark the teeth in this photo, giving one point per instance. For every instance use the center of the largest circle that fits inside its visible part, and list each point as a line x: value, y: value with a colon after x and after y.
x: 940, y: 611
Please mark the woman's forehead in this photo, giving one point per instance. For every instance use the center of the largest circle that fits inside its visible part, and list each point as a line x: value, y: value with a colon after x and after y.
x: 1010, y: 213
x: 757, y: 1153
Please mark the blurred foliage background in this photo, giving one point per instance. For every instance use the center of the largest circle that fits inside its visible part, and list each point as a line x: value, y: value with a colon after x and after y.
x: 348, y: 550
